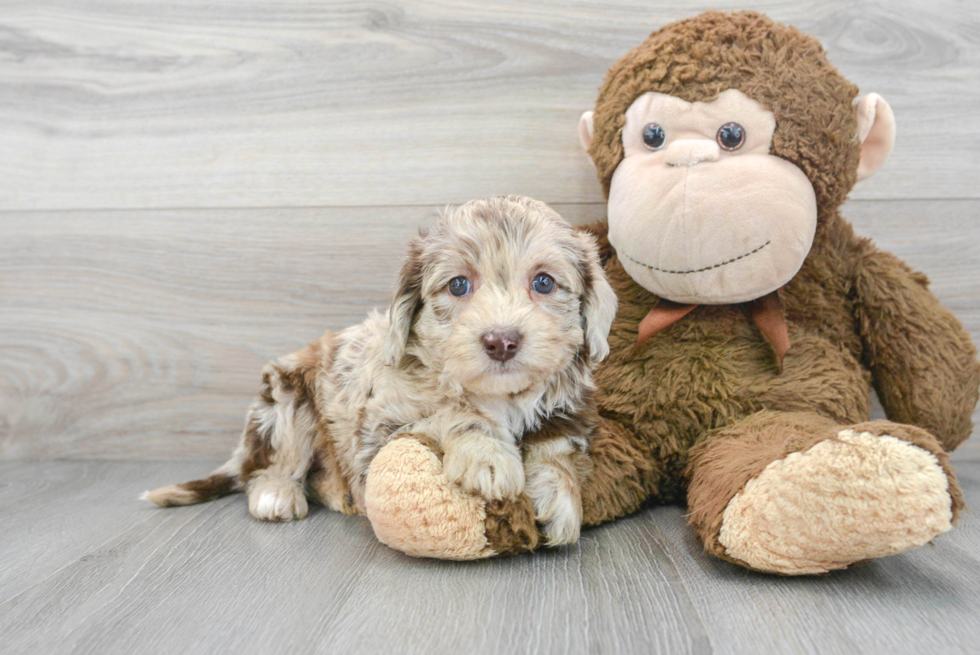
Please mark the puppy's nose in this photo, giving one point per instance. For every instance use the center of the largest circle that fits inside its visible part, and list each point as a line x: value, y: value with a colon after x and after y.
x: 502, y: 344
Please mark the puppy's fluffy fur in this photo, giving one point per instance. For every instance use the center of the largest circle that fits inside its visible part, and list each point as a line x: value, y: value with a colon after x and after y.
x: 424, y: 369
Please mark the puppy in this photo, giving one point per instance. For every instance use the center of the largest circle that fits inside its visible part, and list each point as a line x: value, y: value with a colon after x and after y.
x: 485, y: 352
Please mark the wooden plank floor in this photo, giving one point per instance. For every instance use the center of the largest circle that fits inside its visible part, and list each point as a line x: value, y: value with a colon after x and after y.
x: 188, y: 189
x: 88, y: 569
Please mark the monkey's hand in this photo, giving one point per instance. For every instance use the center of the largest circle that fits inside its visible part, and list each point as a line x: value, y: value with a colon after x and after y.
x: 415, y: 508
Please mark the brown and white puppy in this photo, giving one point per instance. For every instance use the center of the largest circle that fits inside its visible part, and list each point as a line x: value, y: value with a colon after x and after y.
x: 486, y: 352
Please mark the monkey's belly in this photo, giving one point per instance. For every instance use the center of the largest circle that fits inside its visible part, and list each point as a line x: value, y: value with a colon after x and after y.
x: 678, y: 388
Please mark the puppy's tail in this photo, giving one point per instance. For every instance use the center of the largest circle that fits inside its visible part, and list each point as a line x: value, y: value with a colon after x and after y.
x: 226, y: 480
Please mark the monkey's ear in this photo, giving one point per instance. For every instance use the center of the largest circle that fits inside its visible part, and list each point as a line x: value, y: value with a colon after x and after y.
x: 404, y: 305
x: 598, y: 301
x: 586, y: 127
x: 876, y: 132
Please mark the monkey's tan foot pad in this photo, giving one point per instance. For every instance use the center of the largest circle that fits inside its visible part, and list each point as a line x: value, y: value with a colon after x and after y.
x: 414, y: 508
x: 853, y: 498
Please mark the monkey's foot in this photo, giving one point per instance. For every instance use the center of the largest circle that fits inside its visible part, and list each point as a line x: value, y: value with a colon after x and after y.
x: 415, y: 508
x: 853, y: 498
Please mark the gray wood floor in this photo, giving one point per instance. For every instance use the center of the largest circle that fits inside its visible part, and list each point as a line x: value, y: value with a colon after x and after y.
x: 189, y: 188
x: 86, y: 569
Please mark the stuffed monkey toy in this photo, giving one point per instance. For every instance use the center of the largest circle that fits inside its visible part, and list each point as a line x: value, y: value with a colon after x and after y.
x: 752, y: 324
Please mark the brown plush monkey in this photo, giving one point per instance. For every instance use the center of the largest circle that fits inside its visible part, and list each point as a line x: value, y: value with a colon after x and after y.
x: 752, y: 324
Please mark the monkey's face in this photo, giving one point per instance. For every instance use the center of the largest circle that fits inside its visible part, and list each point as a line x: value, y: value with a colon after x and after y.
x: 699, y: 210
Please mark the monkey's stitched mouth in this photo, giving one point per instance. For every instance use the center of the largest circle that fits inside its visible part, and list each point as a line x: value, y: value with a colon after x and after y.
x: 699, y: 270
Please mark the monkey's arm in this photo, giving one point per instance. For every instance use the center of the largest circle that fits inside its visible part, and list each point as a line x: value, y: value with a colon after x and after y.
x: 923, y: 363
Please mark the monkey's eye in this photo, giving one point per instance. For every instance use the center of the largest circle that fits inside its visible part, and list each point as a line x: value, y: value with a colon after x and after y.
x: 731, y: 136
x: 543, y: 284
x: 654, y: 136
x: 459, y: 286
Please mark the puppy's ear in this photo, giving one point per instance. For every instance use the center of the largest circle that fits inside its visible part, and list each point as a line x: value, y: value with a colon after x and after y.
x: 598, y: 301
x: 404, y: 305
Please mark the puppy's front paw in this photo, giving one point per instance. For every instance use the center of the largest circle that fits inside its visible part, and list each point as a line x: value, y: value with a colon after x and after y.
x: 276, y: 499
x: 566, y: 525
x: 557, y: 503
x: 485, y: 466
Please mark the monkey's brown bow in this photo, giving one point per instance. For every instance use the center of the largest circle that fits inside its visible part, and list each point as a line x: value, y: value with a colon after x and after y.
x: 766, y: 312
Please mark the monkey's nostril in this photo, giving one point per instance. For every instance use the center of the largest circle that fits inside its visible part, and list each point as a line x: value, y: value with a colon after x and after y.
x: 502, y: 345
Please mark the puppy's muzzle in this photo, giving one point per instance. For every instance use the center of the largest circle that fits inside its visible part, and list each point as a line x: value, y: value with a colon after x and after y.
x: 502, y: 345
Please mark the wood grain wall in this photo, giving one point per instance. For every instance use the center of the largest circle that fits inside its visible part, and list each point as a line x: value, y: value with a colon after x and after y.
x: 188, y: 189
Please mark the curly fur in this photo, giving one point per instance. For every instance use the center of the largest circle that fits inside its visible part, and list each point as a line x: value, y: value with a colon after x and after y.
x: 423, y: 371
x: 699, y: 393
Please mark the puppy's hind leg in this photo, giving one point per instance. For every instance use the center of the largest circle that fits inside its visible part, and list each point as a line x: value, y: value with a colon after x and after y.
x: 276, y: 450
x: 282, y: 425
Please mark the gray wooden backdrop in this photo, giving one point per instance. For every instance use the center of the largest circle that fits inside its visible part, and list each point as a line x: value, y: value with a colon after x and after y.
x: 190, y: 188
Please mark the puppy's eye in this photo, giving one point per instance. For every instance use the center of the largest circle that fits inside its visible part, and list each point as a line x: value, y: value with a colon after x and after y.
x: 459, y: 286
x: 731, y: 136
x: 543, y: 284
x: 654, y: 136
